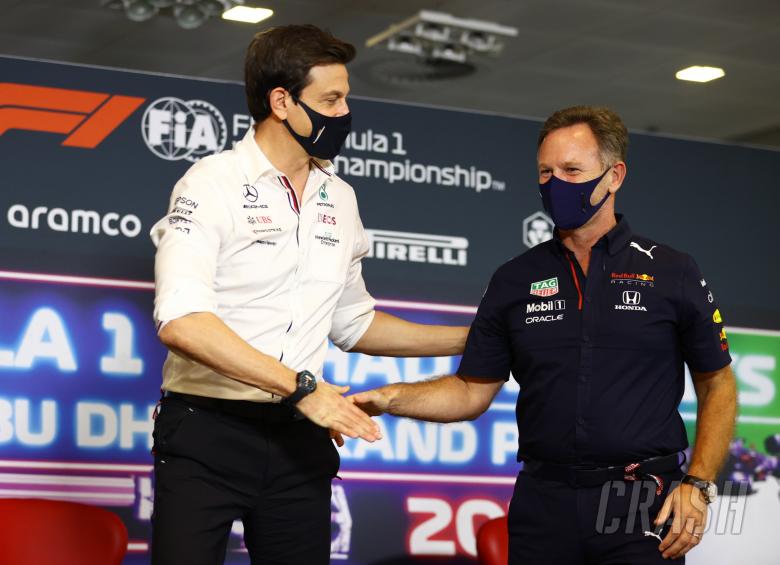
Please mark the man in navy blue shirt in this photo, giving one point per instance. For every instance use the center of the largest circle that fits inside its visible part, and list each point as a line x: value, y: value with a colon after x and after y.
x: 596, y: 326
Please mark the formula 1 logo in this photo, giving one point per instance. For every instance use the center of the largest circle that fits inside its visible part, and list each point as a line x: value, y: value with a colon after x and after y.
x: 87, y: 118
x: 176, y: 129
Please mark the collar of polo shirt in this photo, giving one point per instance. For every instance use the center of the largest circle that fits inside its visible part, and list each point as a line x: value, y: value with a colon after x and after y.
x: 255, y: 164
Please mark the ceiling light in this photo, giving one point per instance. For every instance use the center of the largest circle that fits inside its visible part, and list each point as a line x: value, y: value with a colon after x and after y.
x: 139, y: 10
x: 189, y: 14
x: 247, y: 14
x: 189, y: 17
x: 436, y: 36
x: 700, y: 74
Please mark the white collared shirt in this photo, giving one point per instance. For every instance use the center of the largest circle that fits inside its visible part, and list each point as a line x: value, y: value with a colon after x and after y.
x: 284, y: 276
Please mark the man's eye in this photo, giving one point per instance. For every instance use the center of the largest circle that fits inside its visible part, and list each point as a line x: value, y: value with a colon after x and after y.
x: 572, y: 170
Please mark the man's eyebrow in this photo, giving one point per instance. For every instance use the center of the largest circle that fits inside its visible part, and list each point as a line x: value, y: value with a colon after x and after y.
x: 333, y: 93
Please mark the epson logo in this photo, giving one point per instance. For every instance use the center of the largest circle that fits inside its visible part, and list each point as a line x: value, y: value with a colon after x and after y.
x: 547, y: 306
x: 75, y: 221
x: 418, y: 247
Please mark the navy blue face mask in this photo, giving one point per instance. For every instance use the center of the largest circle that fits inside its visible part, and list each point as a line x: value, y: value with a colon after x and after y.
x: 568, y: 203
x: 327, y: 133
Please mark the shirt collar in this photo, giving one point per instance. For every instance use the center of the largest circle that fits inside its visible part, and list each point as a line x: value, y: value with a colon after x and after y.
x: 253, y: 161
x: 614, y: 240
x: 255, y: 164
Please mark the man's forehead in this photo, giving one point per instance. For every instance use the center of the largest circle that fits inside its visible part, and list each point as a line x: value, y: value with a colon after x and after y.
x: 328, y: 77
x: 573, y: 145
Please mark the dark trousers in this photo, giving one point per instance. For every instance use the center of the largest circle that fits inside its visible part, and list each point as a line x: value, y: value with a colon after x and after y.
x: 552, y: 522
x: 267, y: 469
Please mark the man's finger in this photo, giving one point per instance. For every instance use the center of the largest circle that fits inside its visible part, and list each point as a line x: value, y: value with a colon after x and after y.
x: 365, y: 420
x: 677, y: 526
x: 337, y: 437
x: 663, y: 514
x: 357, y: 421
x: 677, y: 549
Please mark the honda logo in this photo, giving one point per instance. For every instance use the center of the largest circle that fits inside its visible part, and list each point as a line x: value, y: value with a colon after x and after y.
x: 631, y: 297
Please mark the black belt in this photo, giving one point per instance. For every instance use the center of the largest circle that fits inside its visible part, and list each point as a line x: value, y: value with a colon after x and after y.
x: 247, y: 409
x: 583, y: 477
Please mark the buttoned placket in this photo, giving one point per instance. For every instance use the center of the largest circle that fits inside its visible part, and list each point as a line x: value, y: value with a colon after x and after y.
x: 297, y: 207
x: 588, y: 289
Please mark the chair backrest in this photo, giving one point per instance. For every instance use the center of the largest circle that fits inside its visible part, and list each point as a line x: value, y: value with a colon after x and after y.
x: 493, y: 542
x: 54, y: 532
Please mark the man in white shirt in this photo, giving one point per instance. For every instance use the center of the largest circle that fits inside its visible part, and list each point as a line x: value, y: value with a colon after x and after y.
x: 258, y: 263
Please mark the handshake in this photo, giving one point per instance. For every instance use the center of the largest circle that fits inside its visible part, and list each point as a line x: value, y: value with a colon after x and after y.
x: 345, y: 415
x: 451, y: 398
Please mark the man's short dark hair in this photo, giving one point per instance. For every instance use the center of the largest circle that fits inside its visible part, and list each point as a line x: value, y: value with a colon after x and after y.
x: 606, y: 125
x: 283, y: 56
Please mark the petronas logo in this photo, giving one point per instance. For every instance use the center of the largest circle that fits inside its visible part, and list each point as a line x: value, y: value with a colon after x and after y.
x: 323, y: 193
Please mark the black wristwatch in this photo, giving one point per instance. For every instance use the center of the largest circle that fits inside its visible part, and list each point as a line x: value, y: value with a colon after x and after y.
x: 708, y: 488
x: 306, y: 383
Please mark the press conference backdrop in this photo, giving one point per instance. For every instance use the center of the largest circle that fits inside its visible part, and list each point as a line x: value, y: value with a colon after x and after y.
x: 88, y: 157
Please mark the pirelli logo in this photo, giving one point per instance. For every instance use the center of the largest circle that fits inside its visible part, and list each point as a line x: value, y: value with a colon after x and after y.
x: 418, y: 247
x: 86, y: 118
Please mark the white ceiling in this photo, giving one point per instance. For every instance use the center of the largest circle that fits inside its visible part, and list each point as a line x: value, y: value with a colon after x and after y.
x: 620, y: 53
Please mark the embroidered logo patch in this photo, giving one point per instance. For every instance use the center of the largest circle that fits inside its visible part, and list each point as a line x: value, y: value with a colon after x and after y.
x: 546, y: 287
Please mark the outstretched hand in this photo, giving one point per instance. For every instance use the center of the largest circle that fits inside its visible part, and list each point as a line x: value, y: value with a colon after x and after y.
x: 372, y: 402
x: 327, y: 407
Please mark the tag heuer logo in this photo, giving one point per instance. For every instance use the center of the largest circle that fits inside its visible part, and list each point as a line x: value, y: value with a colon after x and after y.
x: 545, y: 288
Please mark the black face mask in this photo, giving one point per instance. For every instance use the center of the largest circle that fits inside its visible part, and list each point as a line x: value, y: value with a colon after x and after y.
x: 327, y: 133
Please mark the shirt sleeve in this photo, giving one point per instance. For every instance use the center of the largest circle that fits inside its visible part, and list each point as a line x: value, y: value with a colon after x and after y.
x: 188, y: 240
x: 355, y: 308
x: 702, y: 334
x: 488, y: 353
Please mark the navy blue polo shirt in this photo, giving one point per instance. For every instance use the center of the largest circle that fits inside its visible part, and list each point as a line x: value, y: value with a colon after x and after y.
x: 598, y: 355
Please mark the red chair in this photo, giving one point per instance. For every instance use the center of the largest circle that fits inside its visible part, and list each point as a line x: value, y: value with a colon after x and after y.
x: 493, y: 542
x: 53, y: 532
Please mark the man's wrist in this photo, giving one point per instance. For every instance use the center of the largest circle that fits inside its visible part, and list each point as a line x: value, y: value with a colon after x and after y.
x: 707, y: 489
x: 306, y: 384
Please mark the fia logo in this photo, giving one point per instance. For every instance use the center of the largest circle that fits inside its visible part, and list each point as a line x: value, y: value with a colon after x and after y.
x: 175, y: 129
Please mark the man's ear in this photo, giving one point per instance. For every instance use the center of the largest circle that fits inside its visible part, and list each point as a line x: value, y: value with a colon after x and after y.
x: 618, y: 176
x: 278, y: 99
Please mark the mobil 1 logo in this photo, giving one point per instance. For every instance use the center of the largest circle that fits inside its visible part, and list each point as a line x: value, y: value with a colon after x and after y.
x: 548, y: 310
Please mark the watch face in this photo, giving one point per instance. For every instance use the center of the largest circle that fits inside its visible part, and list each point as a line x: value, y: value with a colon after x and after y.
x: 307, y: 381
x: 712, y: 491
